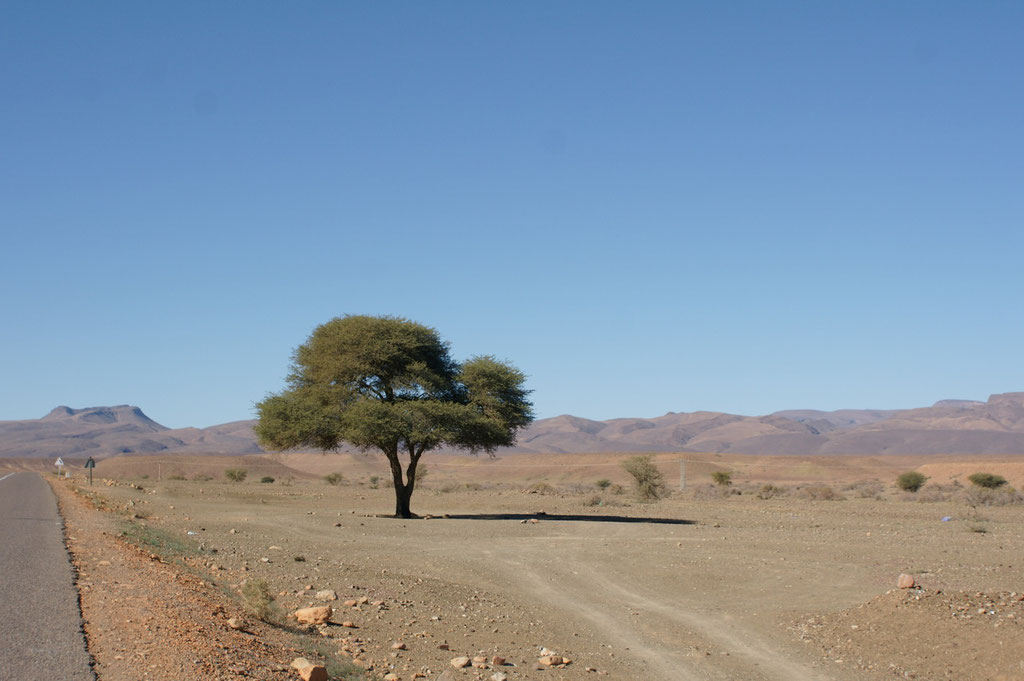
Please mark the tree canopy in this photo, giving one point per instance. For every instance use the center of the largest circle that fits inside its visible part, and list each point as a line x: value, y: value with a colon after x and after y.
x: 389, y: 384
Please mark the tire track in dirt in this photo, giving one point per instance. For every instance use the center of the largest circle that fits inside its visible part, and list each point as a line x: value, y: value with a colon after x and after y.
x: 600, y: 599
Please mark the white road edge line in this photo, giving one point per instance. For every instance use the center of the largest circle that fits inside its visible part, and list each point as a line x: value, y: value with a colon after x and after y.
x: 6, y: 476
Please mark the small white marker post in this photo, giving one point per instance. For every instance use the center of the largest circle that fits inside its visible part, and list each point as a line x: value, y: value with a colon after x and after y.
x: 682, y: 474
x: 60, y: 466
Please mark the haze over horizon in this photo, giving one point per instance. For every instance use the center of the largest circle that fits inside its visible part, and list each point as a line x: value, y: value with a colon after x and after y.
x: 742, y: 208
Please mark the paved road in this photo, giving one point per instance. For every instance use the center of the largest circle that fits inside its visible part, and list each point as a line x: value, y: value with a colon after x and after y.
x: 40, y: 625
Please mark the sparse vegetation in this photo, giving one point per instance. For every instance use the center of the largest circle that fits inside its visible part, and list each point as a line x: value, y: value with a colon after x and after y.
x: 258, y: 600
x: 594, y: 500
x: 721, y: 478
x: 374, y: 481
x: 202, y: 477
x: 911, y: 481
x: 647, y: 479
x: 266, y: 479
x: 988, y: 496
x: 235, y: 474
x: 603, y: 483
x: 820, y: 493
x: 334, y: 478
x: 540, y: 488
x: 987, y: 480
x: 768, y: 491
x: 176, y: 476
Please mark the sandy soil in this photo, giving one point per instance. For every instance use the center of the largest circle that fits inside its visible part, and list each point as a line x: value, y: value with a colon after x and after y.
x: 722, y: 587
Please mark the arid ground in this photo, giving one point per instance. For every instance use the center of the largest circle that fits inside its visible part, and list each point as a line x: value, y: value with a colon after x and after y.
x: 706, y: 584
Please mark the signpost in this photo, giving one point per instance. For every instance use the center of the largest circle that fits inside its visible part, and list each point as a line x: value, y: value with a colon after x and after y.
x: 90, y: 464
x: 60, y: 466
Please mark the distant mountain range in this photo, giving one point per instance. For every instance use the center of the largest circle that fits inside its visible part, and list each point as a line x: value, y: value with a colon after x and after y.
x: 947, y: 427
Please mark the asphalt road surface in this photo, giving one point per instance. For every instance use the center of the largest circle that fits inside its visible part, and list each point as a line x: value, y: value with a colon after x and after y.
x: 40, y: 624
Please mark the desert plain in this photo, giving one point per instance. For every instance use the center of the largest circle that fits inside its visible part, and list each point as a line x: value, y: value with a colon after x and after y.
x: 526, y: 552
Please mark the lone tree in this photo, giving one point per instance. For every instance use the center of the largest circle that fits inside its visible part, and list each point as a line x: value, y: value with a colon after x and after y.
x: 389, y: 384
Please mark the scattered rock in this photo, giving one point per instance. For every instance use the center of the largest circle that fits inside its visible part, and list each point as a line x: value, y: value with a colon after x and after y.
x: 300, y: 662
x: 236, y: 624
x: 551, y: 660
x: 499, y: 676
x: 460, y: 662
x: 498, y: 661
x: 317, y: 615
x: 398, y: 645
x: 326, y: 595
x: 349, y: 624
x: 905, y: 582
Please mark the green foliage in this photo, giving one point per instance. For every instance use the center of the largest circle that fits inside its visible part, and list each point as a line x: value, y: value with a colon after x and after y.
x: 603, y: 483
x: 267, y: 479
x: 647, y: 479
x: 235, y: 474
x: 722, y: 478
x: 389, y: 384
x: 334, y: 478
x: 987, y: 480
x: 258, y: 600
x: 911, y: 481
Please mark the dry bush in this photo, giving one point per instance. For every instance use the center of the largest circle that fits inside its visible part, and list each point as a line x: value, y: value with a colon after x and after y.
x: 258, y: 600
x: 334, y: 478
x: 603, y: 483
x: 594, y: 500
x: 176, y: 476
x: 710, y: 491
x: 930, y: 495
x: 202, y: 477
x: 540, y: 488
x: 647, y: 479
x: 820, y: 493
x: 986, y: 496
x: 235, y: 474
x: 768, y: 491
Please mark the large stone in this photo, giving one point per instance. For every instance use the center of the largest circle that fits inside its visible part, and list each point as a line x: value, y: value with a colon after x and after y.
x: 460, y: 662
x: 550, y: 660
x: 314, y: 672
x: 905, y: 582
x: 320, y: 614
x: 326, y: 595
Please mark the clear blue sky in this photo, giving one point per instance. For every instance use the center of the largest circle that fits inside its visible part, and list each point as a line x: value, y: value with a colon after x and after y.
x: 648, y: 207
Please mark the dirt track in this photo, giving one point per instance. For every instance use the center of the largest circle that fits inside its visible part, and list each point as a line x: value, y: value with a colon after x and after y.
x: 725, y: 598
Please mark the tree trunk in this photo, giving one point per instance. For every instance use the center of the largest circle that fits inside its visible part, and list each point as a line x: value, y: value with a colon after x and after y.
x: 403, y: 489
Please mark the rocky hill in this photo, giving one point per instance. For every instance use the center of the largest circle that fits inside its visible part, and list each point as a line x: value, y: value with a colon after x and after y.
x: 109, y: 431
x: 947, y: 427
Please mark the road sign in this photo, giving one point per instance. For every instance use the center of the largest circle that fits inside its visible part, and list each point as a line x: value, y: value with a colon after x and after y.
x: 90, y: 464
x: 60, y: 462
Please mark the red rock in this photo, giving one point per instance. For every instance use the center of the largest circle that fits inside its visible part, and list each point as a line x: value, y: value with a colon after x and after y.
x: 314, y: 672
x: 317, y: 615
x: 905, y: 581
x: 550, y: 660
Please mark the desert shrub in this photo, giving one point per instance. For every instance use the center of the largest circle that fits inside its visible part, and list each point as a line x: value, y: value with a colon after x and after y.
x: 721, y: 478
x: 768, y: 491
x: 449, y: 487
x: 287, y: 481
x: 594, y: 500
x: 987, y: 480
x: 266, y: 479
x: 869, y: 489
x: 617, y: 489
x: 647, y: 479
x: 258, y: 600
x: 987, y: 496
x: 911, y: 481
x: 474, y: 486
x: 202, y: 477
x: 374, y: 481
x: 820, y: 493
x: 422, y: 472
x: 235, y: 474
x: 176, y: 476
x: 603, y: 483
x: 334, y: 478
x: 709, y: 491
x: 932, y: 494
x: 540, y: 488
x: 144, y: 476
